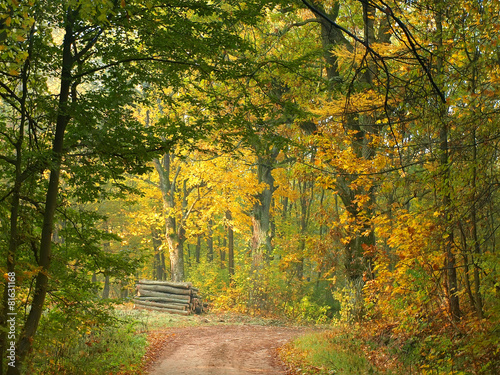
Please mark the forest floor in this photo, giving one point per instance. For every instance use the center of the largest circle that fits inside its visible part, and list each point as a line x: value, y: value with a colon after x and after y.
x: 219, y: 348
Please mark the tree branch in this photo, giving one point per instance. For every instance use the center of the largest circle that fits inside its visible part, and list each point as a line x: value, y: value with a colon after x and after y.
x: 411, y: 40
x: 134, y: 59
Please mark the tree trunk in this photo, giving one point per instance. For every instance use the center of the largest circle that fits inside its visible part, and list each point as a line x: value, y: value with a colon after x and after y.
x: 210, y: 242
x: 450, y: 261
x: 478, y: 300
x: 261, y: 241
x: 159, y: 259
x: 222, y: 253
x: 198, y: 248
x: 230, y: 243
x: 175, y: 243
x: 41, y: 284
x: 174, y: 235
x: 305, y: 209
x: 105, y: 290
x: 14, y: 219
x: 362, y: 127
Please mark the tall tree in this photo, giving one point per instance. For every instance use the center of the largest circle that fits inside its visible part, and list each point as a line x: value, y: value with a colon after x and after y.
x: 98, y: 53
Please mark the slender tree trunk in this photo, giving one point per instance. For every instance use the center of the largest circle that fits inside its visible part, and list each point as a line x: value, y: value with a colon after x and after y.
x: 478, y: 300
x: 222, y: 253
x: 450, y: 261
x: 14, y: 220
x: 305, y: 210
x: 158, y: 255
x: 198, y: 248
x: 41, y: 284
x: 105, y: 290
x: 175, y: 241
x: 261, y: 241
x: 107, y: 249
x: 230, y: 243
x: 210, y: 242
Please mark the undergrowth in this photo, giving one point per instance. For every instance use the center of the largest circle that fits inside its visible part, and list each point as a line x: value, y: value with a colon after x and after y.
x: 335, y: 351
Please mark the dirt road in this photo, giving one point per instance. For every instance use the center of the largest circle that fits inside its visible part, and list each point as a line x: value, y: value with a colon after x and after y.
x: 223, y: 350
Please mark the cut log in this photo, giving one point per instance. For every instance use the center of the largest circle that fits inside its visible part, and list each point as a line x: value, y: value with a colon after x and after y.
x: 177, y: 298
x: 150, y: 293
x: 172, y: 306
x: 163, y: 299
x: 165, y: 289
x: 180, y: 312
x: 167, y: 283
x: 196, y: 306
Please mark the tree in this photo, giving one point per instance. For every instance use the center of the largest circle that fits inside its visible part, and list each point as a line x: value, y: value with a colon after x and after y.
x: 103, y: 51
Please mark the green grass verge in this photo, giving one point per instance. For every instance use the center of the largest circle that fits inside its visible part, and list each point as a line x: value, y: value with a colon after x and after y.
x: 331, y: 352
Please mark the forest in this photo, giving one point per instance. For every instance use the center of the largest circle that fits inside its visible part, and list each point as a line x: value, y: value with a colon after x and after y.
x: 320, y: 161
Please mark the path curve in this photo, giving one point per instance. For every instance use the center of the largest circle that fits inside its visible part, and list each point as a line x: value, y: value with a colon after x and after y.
x: 223, y: 350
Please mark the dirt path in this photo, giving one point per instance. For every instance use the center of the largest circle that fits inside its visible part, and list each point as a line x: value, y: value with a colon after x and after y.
x: 223, y: 350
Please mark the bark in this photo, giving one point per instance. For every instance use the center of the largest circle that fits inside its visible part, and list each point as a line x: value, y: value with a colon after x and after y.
x: 261, y: 242
x: 165, y: 289
x: 356, y: 263
x: 174, y: 234
x: 14, y: 214
x: 105, y: 290
x: 210, y: 242
x: 230, y: 243
x: 171, y: 311
x: 197, y: 251
x: 478, y: 300
x: 149, y: 293
x: 166, y: 283
x: 158, y: 255
x: 41, y: 283
x: 172, y: 305
x: 163, y: 299
x: 222, y: 254
x: 305, y: 212
x: 450, y: 261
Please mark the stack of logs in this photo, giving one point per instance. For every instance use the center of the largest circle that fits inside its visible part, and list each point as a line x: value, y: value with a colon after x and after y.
x: 167, y: 296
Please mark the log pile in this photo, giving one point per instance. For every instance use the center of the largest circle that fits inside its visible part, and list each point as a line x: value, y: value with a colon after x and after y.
x: 167, y: 296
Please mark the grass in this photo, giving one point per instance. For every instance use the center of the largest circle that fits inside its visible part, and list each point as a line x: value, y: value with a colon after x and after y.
x: 114, y: 349
x: 336, y: 351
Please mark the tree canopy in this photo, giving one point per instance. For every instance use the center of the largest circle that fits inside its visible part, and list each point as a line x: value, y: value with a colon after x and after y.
x: 311, y: 159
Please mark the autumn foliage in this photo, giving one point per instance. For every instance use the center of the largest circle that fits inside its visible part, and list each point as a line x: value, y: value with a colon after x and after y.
x: 321, y: 161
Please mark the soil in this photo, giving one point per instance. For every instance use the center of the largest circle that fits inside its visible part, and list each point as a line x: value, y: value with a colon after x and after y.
x: 222, y: 350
